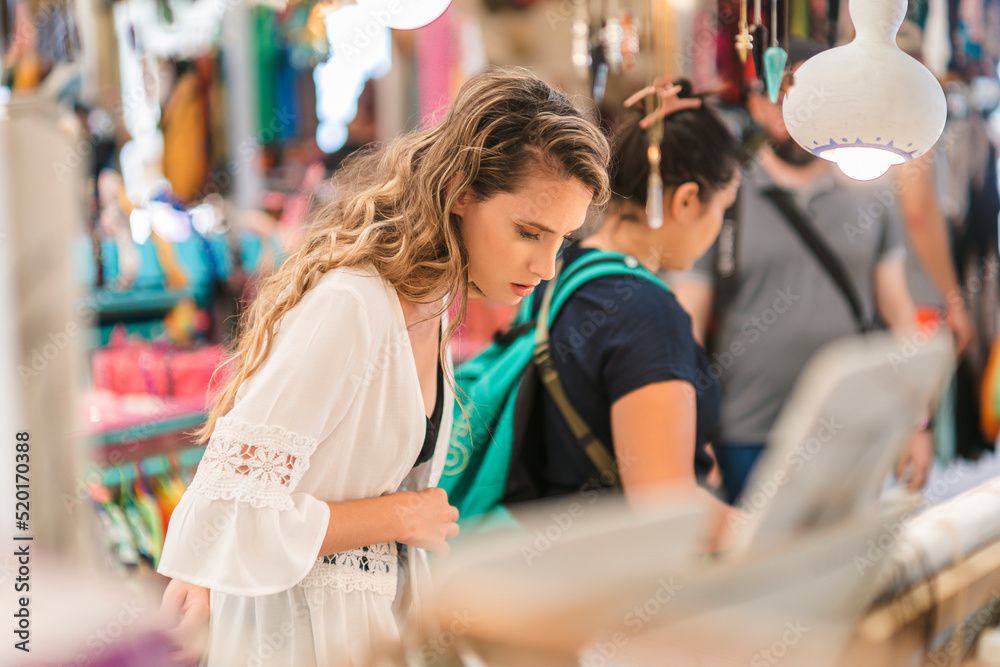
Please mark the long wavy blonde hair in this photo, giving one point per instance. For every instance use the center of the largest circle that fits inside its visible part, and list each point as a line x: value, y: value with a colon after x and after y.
x: 391, y: 208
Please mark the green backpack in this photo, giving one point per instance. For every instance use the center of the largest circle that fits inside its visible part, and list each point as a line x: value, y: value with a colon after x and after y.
x: 496, y: 392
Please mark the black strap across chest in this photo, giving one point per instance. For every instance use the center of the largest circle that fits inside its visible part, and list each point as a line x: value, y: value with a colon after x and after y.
x: 434, y: 421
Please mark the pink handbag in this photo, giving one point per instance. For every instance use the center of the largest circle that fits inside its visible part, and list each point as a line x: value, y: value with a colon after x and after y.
x: 136, y: 366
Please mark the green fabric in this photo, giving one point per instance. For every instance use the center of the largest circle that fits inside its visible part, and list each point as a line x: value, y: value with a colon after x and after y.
x: 799, y: 21
x: 479, y: 454
x: 267, y: 47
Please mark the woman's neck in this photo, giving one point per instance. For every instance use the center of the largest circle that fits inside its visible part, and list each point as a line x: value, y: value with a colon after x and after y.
x: 629, y: 238
x: 415, y: 313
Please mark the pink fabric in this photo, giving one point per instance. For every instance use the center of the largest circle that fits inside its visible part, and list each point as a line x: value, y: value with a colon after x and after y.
x: 483, y: 319
x: 436, y: 55
x: 135, y: 366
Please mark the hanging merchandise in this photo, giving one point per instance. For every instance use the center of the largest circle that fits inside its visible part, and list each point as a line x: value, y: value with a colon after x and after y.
x: 134, y: 517
x: 603, y: 45
x: 131, y: 365
x: 654, y: 189
x: 118, y: 542
x: 775, y: 59
x: 114, y: 223
x: 58, y: 39
x: 267, y: 54
x: 744, y: 40
x: 832, y: 21
x: 599, y: 68
x: 580, y: 47
x: 22, y: 58
x: 630, y: 40
x: 613, y: 37
x: 654, y: 202
x: 184, y: 124
x: 759, y: 37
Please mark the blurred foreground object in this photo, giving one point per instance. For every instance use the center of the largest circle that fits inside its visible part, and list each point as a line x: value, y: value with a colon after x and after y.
x: 605, y: 584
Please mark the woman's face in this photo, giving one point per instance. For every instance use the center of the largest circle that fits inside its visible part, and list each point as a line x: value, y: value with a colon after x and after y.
x: 512, y: 238
x: 699, y: 231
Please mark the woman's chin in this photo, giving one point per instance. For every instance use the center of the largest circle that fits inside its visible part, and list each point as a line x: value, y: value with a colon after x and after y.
x: 504, y: 299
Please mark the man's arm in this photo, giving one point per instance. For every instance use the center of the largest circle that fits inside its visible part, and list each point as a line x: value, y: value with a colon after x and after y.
x: 892, y: 296
x: 928, y: 233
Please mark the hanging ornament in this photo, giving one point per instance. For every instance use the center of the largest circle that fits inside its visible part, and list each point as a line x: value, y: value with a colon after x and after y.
x: 598, y: 71
x: 744, y: 40
x: 775, y: 59
x: 759, y: 35
x: 630, y: 41
x: 613, y: 37
x: 832, y: 19
x: 581, y: 40
x: 654, y: 188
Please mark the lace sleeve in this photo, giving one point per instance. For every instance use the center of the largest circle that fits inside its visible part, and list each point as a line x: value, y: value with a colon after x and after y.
x: 243, y: 527
x: 252, y: 464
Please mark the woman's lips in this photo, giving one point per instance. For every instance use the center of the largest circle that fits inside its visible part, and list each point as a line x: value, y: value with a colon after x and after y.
x: 522, y: 290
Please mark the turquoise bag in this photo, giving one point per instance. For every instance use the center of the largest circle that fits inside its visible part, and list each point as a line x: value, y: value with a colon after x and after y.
x: 493, y: 387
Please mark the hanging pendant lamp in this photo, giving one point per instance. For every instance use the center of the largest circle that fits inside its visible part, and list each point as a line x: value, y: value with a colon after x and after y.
x: 866, y: 105
x: 405, y: 14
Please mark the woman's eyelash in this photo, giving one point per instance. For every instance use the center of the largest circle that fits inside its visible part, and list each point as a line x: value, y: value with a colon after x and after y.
x: 534, y: 237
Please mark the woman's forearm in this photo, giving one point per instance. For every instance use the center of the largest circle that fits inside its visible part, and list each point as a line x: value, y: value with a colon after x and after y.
x: 419, y: 518
x: 359, y: 523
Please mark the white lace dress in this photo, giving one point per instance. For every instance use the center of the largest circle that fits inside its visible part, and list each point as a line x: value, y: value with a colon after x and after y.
x: 335, y: 413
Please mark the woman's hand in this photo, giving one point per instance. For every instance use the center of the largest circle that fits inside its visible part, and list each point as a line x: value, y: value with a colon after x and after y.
x: 426, y: 519
x: 188, y: 605
x: 669, y: 102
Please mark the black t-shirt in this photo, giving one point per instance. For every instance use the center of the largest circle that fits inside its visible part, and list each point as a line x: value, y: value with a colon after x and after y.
x: 614, y: 335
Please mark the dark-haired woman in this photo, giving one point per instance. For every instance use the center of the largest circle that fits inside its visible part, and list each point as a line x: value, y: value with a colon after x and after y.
x: 625, y: 351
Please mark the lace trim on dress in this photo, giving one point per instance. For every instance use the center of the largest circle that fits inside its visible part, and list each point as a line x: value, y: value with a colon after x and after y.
x: 254, y: 464
x: 371, y: 568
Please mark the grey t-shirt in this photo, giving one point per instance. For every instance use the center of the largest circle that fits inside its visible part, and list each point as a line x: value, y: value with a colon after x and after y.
x: 787, y: 306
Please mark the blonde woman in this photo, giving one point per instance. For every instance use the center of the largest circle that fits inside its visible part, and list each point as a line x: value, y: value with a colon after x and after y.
x: 316, y: 493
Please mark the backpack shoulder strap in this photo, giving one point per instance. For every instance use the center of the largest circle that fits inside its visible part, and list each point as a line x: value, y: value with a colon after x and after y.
x: 799, y: 221
x: 594, y: 265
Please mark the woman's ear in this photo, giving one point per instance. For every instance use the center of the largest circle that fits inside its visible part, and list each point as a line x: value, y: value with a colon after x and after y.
x: 684, y: 203
x: 458, y: 208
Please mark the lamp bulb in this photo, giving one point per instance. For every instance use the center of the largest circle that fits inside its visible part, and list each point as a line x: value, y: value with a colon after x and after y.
x: 862, y: 163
